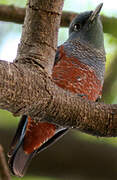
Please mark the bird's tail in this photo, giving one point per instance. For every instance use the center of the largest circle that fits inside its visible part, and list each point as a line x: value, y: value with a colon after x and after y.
x: 30, y: 138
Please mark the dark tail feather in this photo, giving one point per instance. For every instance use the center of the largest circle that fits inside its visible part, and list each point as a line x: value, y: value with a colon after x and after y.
x: 52, y: 140
x: 20, y: 161
x: 18, y: 135
x: 17, y: 157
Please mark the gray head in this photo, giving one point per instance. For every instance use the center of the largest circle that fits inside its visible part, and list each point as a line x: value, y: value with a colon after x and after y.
x: 87, y: 27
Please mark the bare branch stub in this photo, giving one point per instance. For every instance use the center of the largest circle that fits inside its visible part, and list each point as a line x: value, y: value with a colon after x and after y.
x: 4, y: 171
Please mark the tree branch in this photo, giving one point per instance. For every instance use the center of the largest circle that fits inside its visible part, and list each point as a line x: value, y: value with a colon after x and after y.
x: 28, y: 90
x: 12, y: 14
x: 40, y: 33
x: 4, y: 171
x: 16, y: 15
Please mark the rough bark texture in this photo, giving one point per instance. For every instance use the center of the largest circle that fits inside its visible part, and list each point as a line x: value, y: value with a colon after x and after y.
x: 26, y: 86
x: 16, y: 15
x: 40, y: 33
x: 25, y: 89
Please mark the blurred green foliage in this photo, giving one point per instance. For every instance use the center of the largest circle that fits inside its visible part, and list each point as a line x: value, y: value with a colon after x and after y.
x: 7, y: 119
x: 20, y: 3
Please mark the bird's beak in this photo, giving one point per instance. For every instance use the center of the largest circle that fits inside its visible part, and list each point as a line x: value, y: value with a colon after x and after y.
x: 95, y: 13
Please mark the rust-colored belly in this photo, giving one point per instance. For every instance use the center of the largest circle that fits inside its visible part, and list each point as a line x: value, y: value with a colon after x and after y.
x: 70, y: 74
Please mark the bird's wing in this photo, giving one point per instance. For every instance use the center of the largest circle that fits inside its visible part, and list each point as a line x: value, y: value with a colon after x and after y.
x: 18, y: 135
x: 58, y: 55
x: 31, y: 137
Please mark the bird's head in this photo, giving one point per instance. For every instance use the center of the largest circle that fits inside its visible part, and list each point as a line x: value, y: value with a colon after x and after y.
x: 87, y: 27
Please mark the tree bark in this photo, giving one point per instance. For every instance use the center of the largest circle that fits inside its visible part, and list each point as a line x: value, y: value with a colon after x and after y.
x: 26, y: 86
x: 25, y: 89
x: 16, y: 15
x: 40, y: 33
x: 4, y: 171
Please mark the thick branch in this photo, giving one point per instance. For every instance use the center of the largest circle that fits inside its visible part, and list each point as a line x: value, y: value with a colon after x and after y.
x: 16, y: 15
x: 40, y: 33
x: 29, y: 90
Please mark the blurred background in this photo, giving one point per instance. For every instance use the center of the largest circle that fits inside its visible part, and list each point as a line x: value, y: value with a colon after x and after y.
x: 77, y: 155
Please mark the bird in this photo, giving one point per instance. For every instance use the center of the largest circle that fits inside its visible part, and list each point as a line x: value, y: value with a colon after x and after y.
x: 79, y: 68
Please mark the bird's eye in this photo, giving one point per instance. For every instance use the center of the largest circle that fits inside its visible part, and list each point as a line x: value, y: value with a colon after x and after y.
x: 77, y: 27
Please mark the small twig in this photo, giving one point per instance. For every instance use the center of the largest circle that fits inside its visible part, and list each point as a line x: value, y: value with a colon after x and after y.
x: 4, y: 171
